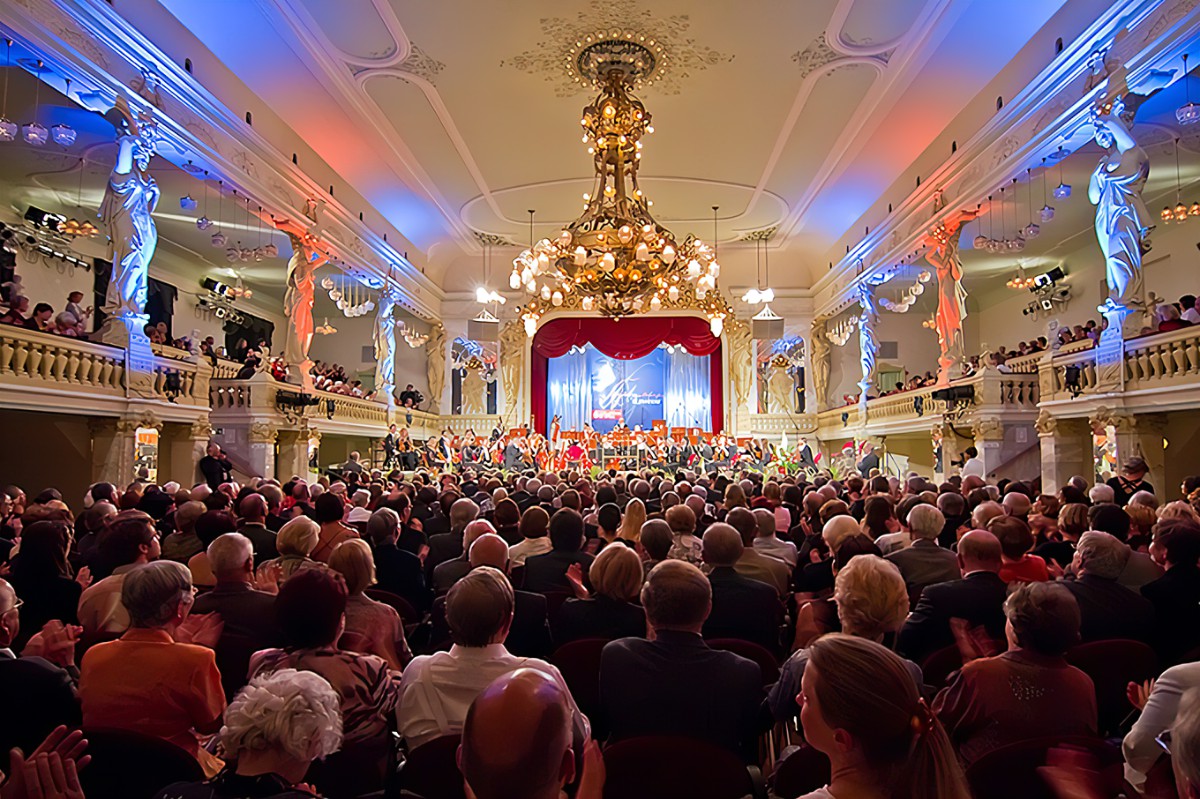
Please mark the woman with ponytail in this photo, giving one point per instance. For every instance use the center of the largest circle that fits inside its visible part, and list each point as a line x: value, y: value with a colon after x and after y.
x: 860, y: 706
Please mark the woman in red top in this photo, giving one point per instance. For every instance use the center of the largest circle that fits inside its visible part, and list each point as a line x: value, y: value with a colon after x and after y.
x: 1017, y: 565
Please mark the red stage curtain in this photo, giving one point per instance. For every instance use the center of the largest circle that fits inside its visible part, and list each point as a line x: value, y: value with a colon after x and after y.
x: 625, y: 339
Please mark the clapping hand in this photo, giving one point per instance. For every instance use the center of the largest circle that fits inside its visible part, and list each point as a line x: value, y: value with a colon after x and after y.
x: 1139, y: 693
x: 202, y: 629
x: 575, y: 578
x: 51, y: 772
x: 55, y: 642
x: 268, y: 577
x: 84, y: 577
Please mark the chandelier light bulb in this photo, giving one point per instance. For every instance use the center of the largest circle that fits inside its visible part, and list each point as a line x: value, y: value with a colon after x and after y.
x: 8, y: 129
x: 716, y: 325
x: 1062, y: 191
x: 530, y: 326
x: 64, y: 135
x: 1167, y: 214
x: 1195, y: 209
x: 655, y: 303
x: 1047, y: 213
x: 643, y: 252
x: 1181, y: 213
x: 35, y: 134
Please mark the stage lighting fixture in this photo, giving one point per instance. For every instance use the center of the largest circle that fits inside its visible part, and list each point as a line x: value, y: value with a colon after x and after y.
x: 44, y: 219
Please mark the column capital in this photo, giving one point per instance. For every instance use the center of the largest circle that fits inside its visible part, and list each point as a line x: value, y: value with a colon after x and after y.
x: 1046, y: 423
x: 988, y: 429
x: 261, y: 433
x: 1103, y: 417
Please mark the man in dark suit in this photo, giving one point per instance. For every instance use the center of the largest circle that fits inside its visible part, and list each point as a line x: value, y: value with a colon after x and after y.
x: 1107, y: 609
x: 1176, y: 595
x: 923, y: 563
x: 673, y: 684
x: 451, y: 571
x: 977, y: 599
x: 396, y: 570
x: 529, y: 633
x: 447, y: 546
x: 549, y: 572
x: 870, y: 460
x: 741, y: 607
x: 248, y: 615
x: 252, y: 523
x: 37, y: 695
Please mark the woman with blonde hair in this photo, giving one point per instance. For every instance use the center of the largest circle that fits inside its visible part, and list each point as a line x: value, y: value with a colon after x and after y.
x: 860, y: 706
x: 631, y: 523
x: 735, y: 497
x: 295, y: 542
x: 609, y: 612
x: 872, y: 601
x: 372, y: 628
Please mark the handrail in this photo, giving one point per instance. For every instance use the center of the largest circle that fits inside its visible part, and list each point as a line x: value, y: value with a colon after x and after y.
x: 70, y: 362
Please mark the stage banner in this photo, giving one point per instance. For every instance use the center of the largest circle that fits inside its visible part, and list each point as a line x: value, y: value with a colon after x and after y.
x: 629, y: 391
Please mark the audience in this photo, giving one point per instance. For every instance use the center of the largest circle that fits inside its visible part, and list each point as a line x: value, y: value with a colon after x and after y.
x: 1107, y: 609
x: 610, y: 610
x: 742, y: 607
x: 370, y: 627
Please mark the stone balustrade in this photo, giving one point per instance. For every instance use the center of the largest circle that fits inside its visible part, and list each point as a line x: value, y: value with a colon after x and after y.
x: 1162, y: 359
x: 773, y: 425
x: 97, y: 373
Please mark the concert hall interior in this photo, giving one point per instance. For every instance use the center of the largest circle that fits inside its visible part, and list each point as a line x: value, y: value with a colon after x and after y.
x: 435, y: 244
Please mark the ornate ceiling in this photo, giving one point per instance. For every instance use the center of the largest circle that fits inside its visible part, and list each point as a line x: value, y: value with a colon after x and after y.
x: 454, y: 118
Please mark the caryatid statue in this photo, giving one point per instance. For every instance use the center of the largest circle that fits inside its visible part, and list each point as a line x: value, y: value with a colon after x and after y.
x: 1122, y: 221
x: 384, y: 337
x: 952, y: 297
x: 435, y: 365
x: 868, y: 344
x: 298, y: 298
x: 818, y: 362
x: 129, y: 202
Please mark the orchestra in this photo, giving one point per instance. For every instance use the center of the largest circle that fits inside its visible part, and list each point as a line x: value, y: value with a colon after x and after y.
x: 621, y: 448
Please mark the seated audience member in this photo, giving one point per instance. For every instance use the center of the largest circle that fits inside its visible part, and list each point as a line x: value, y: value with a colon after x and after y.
x: 817, y: 577
x: 507, y: 518
x: 879, y: 520
x: 977, y: 598
x: 328, y: 511
x: 1138, y: 568
x: 860, y: 707
x: 741, y: 607
x: 183, y: 543
x: 1185, y: 746
x: 672, y: 683
x: 923, y: 562
x: 448, y: 572
x: 459, y: 512
x: 294, y: 542
x: 209, y: 527
x: 529, y: 634
x: 252, y: 523
x: 1028, y: 692
x: 438, y: 689
x: 375, y: 627
x: 535, y: 540
x: 1072, y: 523
x: 1158, y: 700
x: 634, y: 517
x: 872, y: 602
x: 517, y: 742
x: 274, y: 729
x: 1176, y: 595
x: 984, y: 512
x: 609, y: 612
x: 548, y: 572
x: 42, y: 576
x: 130, y: 541
x: 1107, y: 609
x: 36, y: 690
x: 247, y: 614
x: 753, y: 563
x: 1101, y: 494
x: 608, y: 522
x: 819, y: 616
x: 311, y: 610
x: 1017, y: 565
x: 686, y: 546
x: 160, y: 678
x: 396, y: 570
x: 656, y: 539
x: 769, y: 544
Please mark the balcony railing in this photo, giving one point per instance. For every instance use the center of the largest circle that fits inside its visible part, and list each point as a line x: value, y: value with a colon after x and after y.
x: 1154, y: 362
x: 35, y: 359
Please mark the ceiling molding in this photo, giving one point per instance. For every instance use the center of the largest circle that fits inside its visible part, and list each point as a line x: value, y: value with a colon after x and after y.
x: 105, y: 57
x: 1046, y: 114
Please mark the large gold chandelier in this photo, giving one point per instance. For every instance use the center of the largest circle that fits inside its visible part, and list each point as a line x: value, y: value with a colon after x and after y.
x: 615, y: 258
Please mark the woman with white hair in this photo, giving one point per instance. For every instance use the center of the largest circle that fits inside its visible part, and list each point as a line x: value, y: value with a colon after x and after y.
x: 872, y: 601
x: 274, y: 729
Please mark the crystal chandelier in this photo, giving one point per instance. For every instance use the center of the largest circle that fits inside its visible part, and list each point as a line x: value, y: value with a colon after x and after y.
x: 615, y: 258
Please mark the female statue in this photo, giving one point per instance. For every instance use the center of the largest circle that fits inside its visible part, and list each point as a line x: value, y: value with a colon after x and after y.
x: 129, y: 201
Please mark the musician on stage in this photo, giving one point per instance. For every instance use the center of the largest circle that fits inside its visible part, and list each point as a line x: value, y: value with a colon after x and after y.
x: 432, y: 454
x: 390, y: 442
x: 514, y: 456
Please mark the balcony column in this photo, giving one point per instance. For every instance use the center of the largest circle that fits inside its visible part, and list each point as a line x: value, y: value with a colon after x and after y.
x: 260, y: 440
x: 1141, y: 435
x: 1066, y: 446
x: 114, y: 448
x: 187, y: 445
x: 293, y: 451
x: 989, y: 440
x: 943, y: 433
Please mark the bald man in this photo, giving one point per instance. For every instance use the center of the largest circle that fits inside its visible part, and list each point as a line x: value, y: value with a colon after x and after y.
x: 977, y: 598
x: 517, y: 742
x: 742, y: 607
x: 36, y: 694
x: 252, y: 523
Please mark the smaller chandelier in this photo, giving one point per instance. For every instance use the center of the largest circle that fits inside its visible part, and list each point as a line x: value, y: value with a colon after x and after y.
x: 64, y: 135
x: 325, y: 329
x: 1189, y: 112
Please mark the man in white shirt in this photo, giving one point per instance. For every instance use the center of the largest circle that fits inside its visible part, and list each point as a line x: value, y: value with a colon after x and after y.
x: 770, y: 544
x: 1188, y: 304
x: 438, y: 689
x: 973, y: 465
